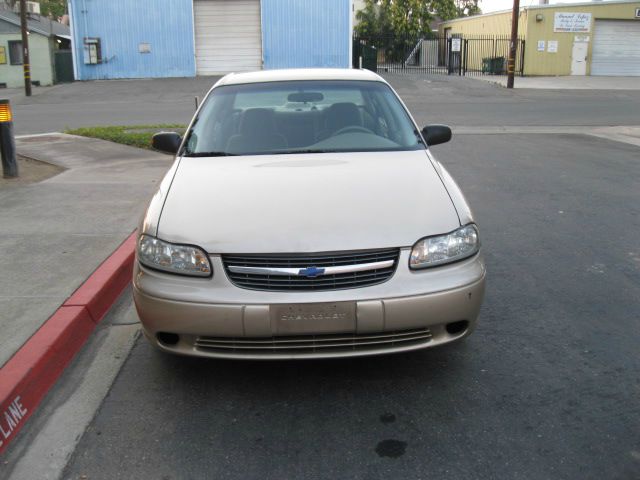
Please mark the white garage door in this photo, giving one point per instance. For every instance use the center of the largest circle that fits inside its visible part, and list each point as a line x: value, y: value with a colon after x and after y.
x: 616, y: 48
x: 228, y: 37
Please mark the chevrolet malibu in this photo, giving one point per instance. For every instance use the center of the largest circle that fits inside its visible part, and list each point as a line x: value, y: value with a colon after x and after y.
x: 305, y: 217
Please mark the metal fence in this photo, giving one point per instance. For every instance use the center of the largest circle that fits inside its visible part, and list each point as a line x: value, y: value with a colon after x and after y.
x: 457, y: 55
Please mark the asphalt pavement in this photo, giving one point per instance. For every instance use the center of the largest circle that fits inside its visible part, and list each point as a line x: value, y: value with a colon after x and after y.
x: 568, y: 82
x: 458, y: 101
x: 546, y: 388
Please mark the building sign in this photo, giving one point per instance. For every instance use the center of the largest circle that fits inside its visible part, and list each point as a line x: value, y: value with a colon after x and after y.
x: 552, y: 46
x: 456, y: 44
x: 3, y: 55
x: 572, y: 22
x: 541, y: 45
x: 637, y: 12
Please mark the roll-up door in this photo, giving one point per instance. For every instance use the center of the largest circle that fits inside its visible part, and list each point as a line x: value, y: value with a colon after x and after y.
x: 228, y: 37
x: 616, y: 48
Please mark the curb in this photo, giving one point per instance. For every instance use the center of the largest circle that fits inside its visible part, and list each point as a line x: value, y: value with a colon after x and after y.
x: 27, y: 377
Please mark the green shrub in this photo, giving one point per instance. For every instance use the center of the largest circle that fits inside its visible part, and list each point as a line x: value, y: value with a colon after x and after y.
x: 134, y: 136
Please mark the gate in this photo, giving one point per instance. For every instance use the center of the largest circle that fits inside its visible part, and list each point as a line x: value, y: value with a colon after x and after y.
x: 63, y: 63
x: 439, y: 55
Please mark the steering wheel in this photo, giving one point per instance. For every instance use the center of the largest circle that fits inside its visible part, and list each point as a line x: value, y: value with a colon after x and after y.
x: 353, y: 129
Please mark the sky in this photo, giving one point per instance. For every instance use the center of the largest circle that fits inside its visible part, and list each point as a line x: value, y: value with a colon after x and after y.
x: 488, y: 6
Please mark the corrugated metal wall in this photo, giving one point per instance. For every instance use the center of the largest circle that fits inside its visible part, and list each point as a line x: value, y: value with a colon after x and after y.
x: 122, y: 25
x: 498, y: 23
x: 306, y: 33
x: 559, y: 63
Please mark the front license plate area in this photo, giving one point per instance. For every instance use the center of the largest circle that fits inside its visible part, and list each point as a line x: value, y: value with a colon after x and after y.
x: 312, y: 318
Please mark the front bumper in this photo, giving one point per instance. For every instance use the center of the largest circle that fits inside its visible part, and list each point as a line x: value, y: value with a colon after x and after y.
x: 214, y: 318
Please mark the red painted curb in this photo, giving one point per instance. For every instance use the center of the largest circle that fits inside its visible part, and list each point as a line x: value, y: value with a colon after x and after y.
x: 104, y: 286
x: 27, y: 377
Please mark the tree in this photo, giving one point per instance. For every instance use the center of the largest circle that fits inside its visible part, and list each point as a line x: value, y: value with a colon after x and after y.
x: 374, y: 20
x: 394, y: 17
x: 445, y: 9
x: 48, y: 8
x: 394, y: 26
x: 53, y: 8
x: 409, y: 18
x: 467, y: 8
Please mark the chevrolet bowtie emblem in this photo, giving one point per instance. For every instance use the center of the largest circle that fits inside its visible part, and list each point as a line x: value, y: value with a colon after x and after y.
x: 311, y: 272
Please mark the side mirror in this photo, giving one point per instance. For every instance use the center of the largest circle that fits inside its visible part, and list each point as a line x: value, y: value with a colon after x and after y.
x: 436, y: 134
x: 168, y: 142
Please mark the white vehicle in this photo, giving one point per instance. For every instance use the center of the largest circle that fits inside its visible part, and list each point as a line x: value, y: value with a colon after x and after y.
x: 305, y: 217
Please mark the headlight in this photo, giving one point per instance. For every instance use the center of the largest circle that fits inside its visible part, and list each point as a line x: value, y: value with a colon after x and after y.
x: 181, y: 259
x: 454, y: 246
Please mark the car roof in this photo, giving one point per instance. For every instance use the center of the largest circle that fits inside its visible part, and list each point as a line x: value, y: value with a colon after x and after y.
x: 299, y: 74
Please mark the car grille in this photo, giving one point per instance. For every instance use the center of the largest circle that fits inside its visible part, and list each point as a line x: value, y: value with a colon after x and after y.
x: 370, y: 274
x: 304, y: 344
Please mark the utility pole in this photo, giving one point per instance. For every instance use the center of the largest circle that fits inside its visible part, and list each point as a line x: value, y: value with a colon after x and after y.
x: 513, y: 46
x: 25, y: 48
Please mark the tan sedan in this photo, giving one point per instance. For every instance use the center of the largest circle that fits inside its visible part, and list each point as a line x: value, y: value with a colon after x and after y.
x: 304, y: 217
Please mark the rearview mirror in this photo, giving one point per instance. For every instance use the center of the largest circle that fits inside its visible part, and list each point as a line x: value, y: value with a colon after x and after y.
x: 436, y: 134
x: 305, y: 97
x: 168, y: 142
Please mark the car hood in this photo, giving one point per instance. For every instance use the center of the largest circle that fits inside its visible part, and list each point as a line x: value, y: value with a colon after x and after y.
x: 306, y: 202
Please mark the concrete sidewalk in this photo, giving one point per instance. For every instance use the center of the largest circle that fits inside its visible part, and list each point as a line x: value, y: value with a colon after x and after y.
x: 57, y: 232
x: 567, y: 82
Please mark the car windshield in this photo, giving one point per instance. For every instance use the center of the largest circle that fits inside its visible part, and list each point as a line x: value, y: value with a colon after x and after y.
x: 301, y: 117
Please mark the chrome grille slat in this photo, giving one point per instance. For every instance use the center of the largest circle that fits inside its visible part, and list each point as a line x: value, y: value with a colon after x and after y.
x: 307, y: 282
x: 313, y: 343
x: 319, y: 260
x: 310, y: 338
x: 337, y: 276
x: 315, y: 346
x: 300, y: 264
x: 333, y: 281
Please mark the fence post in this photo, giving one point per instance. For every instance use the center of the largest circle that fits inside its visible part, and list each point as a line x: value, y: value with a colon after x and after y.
x: 7, y: 141
x: 466, y: 46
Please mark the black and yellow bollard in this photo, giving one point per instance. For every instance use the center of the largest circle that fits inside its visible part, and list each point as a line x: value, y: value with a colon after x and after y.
x: 7, y: 141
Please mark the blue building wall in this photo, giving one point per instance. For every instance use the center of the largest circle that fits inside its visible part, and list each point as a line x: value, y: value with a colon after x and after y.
x: 122, y: 25
x: 306, y: 33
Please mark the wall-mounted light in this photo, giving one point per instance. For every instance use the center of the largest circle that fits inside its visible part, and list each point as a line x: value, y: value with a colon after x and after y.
x: 539, y: 17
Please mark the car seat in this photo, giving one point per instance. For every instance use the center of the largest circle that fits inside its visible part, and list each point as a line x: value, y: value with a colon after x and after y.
x: 257, y: 133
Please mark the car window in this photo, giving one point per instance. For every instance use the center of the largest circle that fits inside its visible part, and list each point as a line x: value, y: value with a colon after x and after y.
x: 301, y: 116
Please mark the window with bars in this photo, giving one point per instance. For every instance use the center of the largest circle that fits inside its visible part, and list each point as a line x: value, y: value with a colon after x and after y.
x: 15, y: 52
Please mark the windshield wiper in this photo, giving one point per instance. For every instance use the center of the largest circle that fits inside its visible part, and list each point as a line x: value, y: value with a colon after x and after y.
x: 209, y: 154
x: 308, y: 150
x: 227, y: 154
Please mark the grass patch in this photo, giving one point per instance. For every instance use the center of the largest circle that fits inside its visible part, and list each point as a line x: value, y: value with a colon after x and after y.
x: 132, y: 135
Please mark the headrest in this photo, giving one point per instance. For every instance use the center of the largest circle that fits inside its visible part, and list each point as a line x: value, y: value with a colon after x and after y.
x: 257, y: 120
x: 344, y: 114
